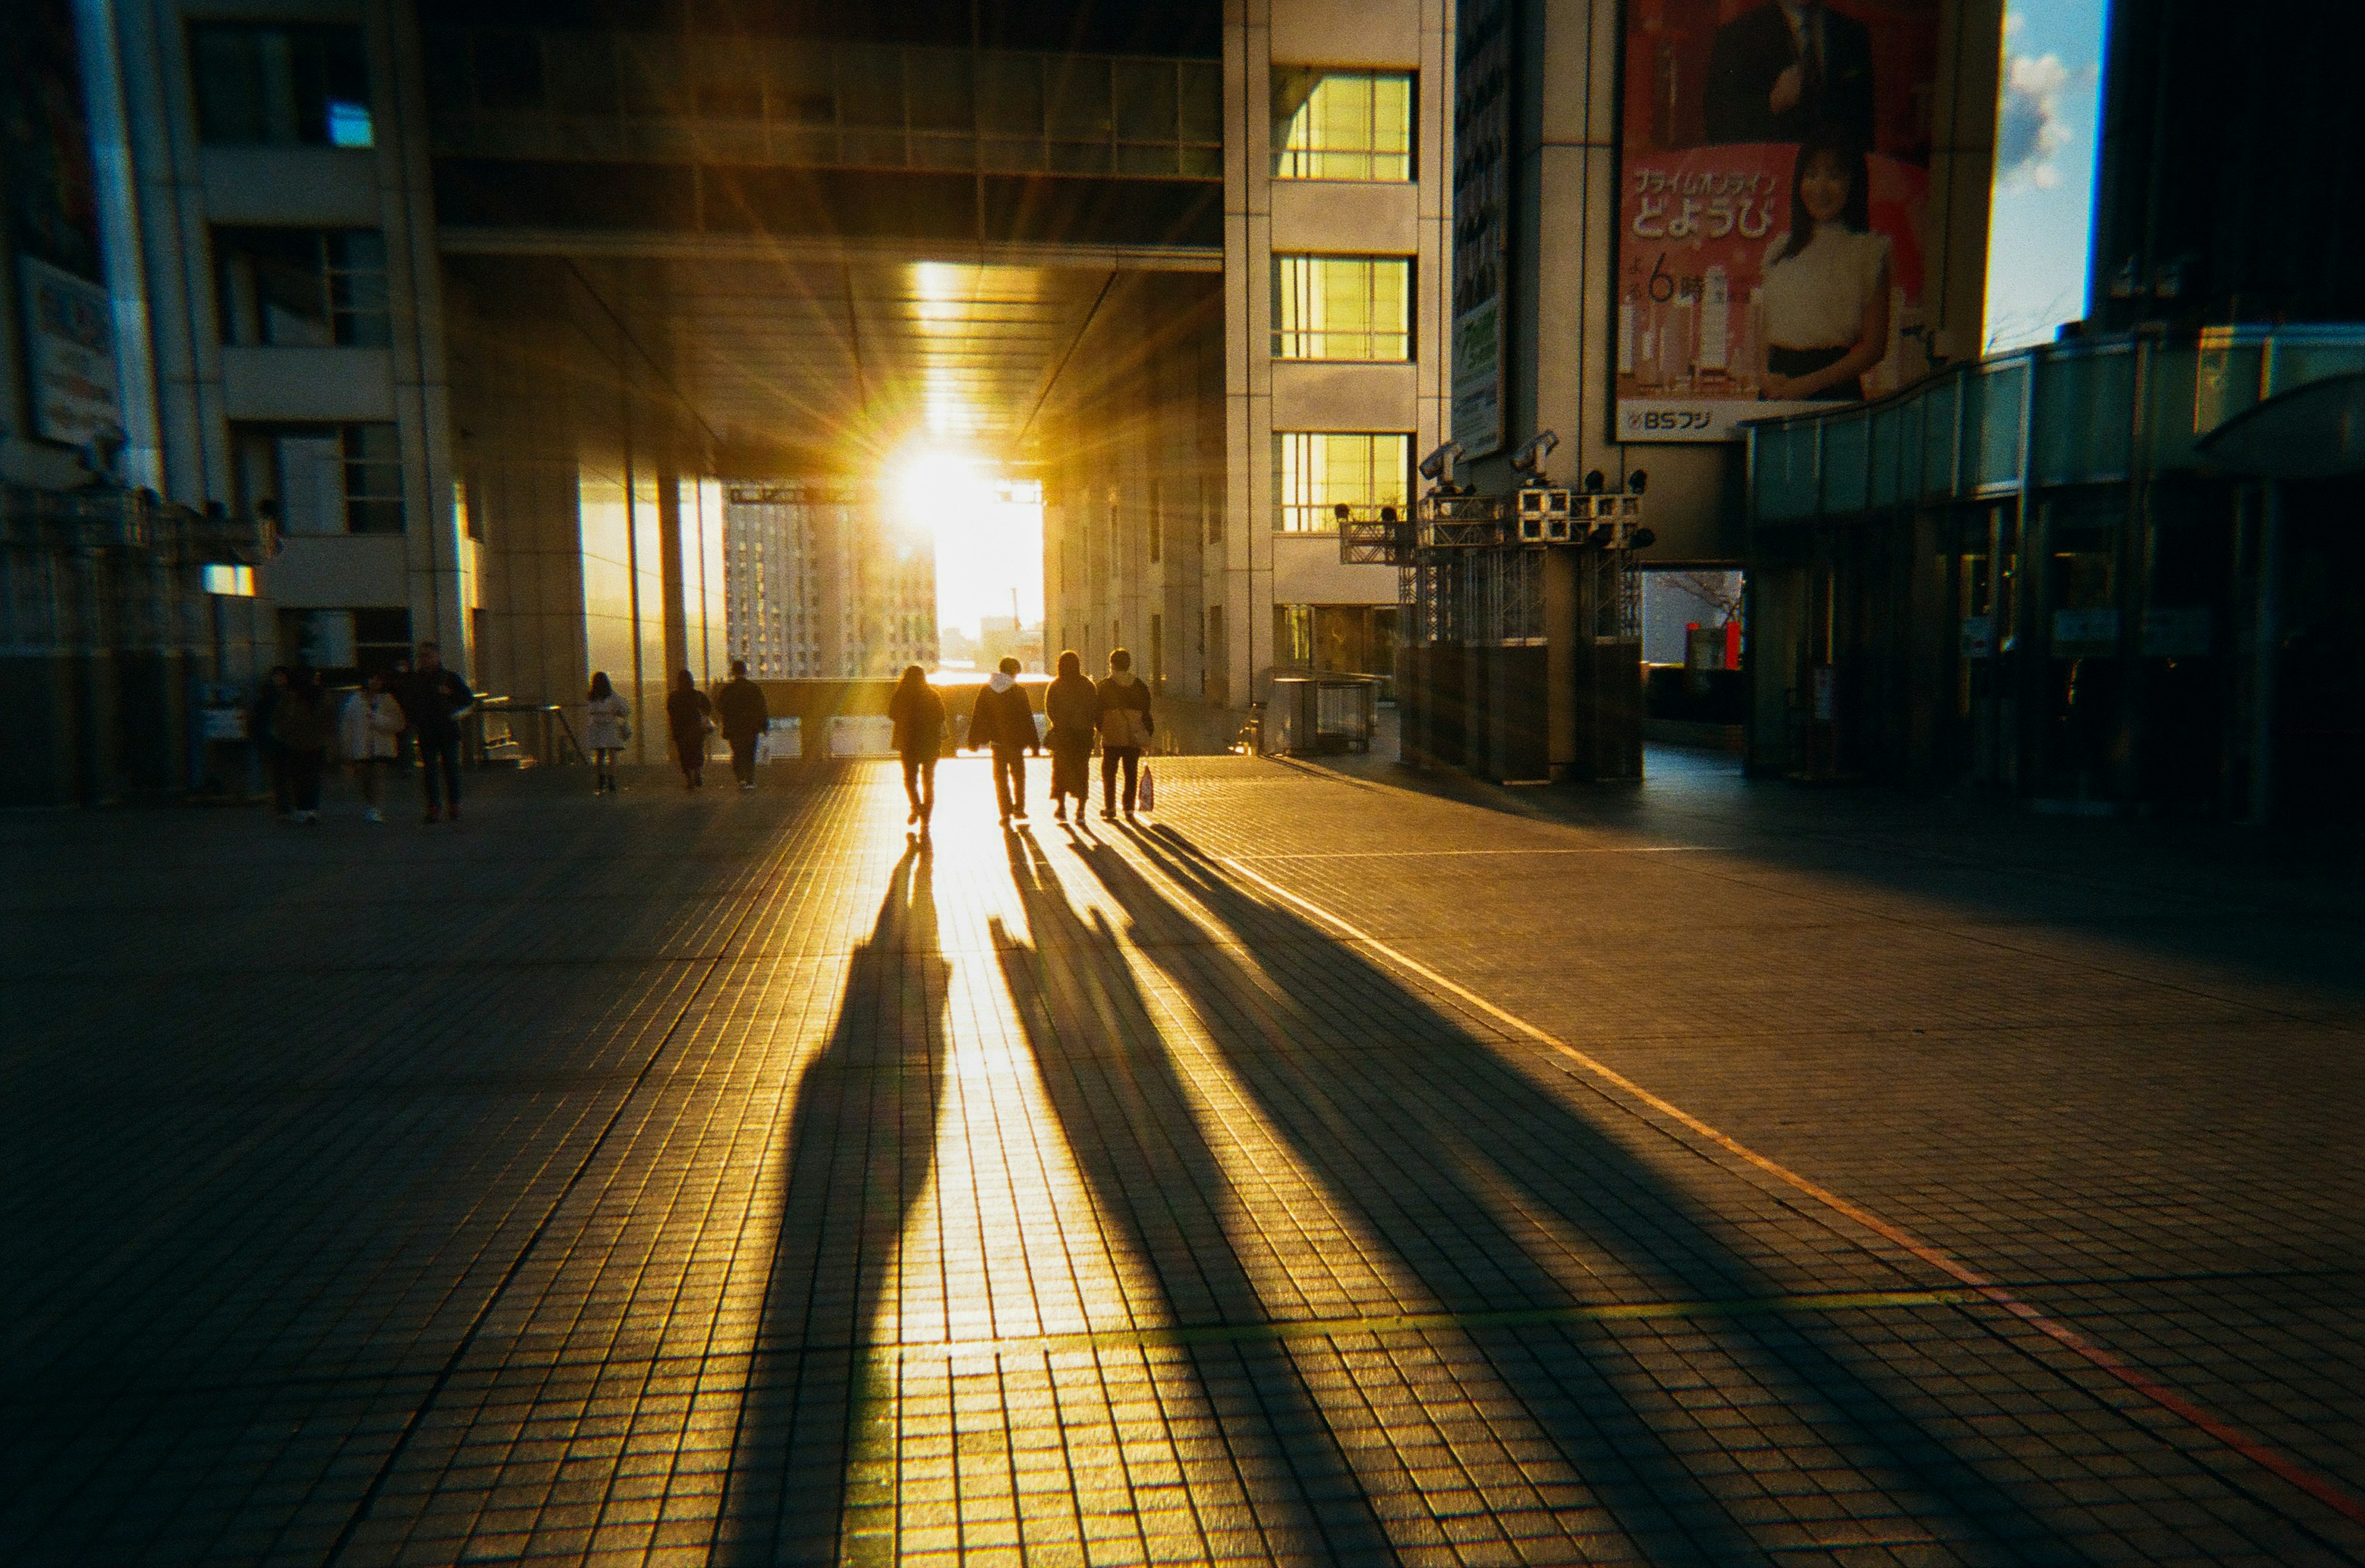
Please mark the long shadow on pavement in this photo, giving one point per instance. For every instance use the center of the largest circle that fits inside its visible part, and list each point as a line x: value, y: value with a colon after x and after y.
x: 1426, y: 1150
x: 1129, y: 1123
x: 861, y: 1142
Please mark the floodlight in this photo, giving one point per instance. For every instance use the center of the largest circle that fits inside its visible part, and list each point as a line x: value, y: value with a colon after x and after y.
x: 1636, y: 480
x: 1642, y: 538
x: 1341, y: 511
x: 1593, y: 481
x: 1439, y: 464
x: 1530, y: 458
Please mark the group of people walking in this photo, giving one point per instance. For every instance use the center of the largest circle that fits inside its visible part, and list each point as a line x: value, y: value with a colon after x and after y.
x: 413, y: 710
x: 1115, y: 712
x: 736, y: 709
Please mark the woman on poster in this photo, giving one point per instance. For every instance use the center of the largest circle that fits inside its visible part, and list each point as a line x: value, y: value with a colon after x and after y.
x: 1825, y: 284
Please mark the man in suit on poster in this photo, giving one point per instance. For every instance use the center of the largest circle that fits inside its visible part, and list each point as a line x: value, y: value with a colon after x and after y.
x: 1787, y: 69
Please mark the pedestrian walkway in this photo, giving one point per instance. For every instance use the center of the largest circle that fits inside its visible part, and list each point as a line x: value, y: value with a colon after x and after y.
x: 1322, y: 1170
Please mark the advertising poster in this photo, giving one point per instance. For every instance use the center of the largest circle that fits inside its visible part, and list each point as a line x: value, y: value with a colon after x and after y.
x: 1774, y: 181
x: 1482, y: 134
x: 69, y: 352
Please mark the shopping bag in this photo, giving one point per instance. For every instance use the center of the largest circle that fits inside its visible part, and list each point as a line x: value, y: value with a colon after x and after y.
x: 762, y: 751
x: 1148, y: 796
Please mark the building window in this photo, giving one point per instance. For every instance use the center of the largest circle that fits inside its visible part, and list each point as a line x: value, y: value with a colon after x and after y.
x: 302, y: 287
x: 1341, y: 125
x: 280, y: 86
x: 344, y: 646
x: 1316, y: 471
x: 1342, y: 308
x: 323, y: 478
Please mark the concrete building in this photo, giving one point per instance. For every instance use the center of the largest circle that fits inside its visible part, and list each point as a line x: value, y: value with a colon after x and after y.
x: 822, y: 583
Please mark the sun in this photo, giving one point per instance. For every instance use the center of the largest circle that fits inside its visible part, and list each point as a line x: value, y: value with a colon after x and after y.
x: 989, y: 535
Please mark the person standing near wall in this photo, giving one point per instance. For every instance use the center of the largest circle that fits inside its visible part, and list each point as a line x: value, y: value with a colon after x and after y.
x: 740, y: 706
x: 688, y: 715
x: 366, y: 731
x: 919, y: 740
x: 300, y: 723
x: 607, y: 725
x: 1126, y: 729
x: 434, y: 701
x: 1074, y: 708
x: 1003, y: 720
x: 267, y: 740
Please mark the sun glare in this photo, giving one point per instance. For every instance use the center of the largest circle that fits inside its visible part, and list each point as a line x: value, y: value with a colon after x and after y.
x: 988, y: 531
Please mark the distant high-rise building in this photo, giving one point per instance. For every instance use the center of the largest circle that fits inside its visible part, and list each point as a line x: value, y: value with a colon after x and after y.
x: 819, y: 584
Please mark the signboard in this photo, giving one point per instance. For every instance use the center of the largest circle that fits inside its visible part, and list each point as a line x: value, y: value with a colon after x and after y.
x: 1774, y: 176
x: 69, y: 353
x: 1482, y: 171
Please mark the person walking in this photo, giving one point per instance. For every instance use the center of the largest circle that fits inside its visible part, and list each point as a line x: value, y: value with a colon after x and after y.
x: 1073, y: 706
x: 1003, y: 720
x: 607, y: 725
x: 366, y: 730
x: 433, y: 701
x: 1125, y: 728
x: 300, y: 723
x: 919, y: 716
x: 740, y: 705
x: 688, y: 715
x: 266, y: 741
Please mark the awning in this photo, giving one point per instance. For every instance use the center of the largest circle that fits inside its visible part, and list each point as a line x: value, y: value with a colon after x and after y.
x: 2314, y: 431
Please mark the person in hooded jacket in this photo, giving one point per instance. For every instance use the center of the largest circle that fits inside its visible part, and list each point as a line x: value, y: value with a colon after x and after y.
x: 1126, y: 729
x: 367, y: 730
x: 1005, y: 720
x: 1073, y: 706
x: 302, y: 724
x: 919, y: 716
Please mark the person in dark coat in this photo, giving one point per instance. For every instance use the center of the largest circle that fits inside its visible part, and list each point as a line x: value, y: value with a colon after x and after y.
x: 266, y: 741
x: 1126, y: 729
x: 1787, y: 70
x: 1005, y: 720
x: 686, y: 711
x: 302, y: 724
x: 919, y: 716
x: 1073, y: 706
x: 740, y: 707
x: 433, y: 700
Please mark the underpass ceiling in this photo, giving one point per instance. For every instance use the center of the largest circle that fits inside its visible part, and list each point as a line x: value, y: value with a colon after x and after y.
x: 858, y: 361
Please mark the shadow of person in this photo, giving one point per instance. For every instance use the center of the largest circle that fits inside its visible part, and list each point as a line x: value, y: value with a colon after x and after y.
x: 1431, y: 1139
x: 1129, y: 1123
x: 861, y: 1142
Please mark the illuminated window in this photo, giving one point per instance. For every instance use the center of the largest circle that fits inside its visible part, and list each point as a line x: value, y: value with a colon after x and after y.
x: 1341, y: 125
x: 1350, y: 308
x: 280, y: 84
x: 1315, y: 471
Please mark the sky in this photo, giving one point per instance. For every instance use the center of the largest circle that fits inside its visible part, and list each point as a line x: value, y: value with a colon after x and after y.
x: 2040, y: 220
x: 988, y: 537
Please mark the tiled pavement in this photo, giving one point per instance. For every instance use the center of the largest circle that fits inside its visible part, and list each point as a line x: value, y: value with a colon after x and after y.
x: 719, y: 1180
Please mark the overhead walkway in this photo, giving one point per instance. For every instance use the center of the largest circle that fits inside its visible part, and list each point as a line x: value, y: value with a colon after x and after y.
x: 1320, y: 1172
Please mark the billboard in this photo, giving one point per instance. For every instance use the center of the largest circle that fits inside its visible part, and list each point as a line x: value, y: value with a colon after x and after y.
x: 1774, y: 181
x: 1482, y: 136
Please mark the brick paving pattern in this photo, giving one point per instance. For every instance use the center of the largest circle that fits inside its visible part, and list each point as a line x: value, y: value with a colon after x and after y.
x: 720, y: 1179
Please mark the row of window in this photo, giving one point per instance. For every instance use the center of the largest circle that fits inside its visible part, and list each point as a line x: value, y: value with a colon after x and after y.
x: 342, y: 479
x: 308, y: 84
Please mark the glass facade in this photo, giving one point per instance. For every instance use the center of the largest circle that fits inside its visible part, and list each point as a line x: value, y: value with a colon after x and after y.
x: 262, y: 84
x: 1341, y: 125
x: 301, y: 287
x: 1342, y: 308
x: 1317, y: 471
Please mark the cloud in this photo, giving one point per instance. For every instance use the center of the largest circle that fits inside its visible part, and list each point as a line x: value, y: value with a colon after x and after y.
x: 2029, y: 129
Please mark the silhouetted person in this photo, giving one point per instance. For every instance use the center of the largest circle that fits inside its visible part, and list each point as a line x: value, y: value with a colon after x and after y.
x: 1073, y: 706
x: 740, y: 707
x: 1788, y: 70
x: 366, y: 731
x: 687, y: 715
x: 267, y: 740
x: 607, y: 725
x: 1126, y: 729
x: 919, y: 716
x: 1005, y: 720
x: 433, y: 700
x: 302, y: 724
